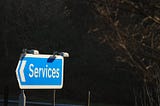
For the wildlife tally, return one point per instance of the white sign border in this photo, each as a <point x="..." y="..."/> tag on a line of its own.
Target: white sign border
<point x="39" y="86"/>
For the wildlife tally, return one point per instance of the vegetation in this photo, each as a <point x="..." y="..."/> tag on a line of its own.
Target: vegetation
<point x="137" y="40"/>
<point x="131" y="28"/>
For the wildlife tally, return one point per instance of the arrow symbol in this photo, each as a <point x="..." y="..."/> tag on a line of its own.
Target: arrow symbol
<point x="22" y="71"/>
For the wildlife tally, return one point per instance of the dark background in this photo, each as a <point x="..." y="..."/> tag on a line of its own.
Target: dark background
<point x="50" y="26"/>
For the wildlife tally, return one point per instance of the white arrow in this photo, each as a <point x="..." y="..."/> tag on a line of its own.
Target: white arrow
<point x="22" y="71"/>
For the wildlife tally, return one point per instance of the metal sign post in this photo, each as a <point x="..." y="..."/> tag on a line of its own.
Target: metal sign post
<point x="22" y="99"/>
<point x="89" y="98"/>
<point x="54" y="97"/>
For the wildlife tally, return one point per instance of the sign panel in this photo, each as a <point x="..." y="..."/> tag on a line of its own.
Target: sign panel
<point x="40" y="71"/>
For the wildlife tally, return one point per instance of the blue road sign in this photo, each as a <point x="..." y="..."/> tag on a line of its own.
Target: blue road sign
<point x="40" y="71"/>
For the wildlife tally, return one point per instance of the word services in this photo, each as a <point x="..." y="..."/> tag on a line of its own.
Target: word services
<point x="40" y="71"/>
<point x="43" y="72"/>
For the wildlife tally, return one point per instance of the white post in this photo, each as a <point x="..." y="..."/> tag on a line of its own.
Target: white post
<point x="22" y="99"/>
<point x="89" y="98"/>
